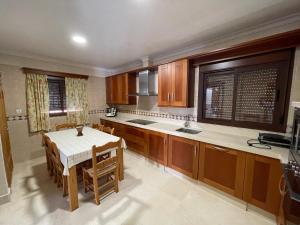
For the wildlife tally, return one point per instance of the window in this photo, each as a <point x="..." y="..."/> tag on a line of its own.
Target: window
<point x="57" y="96"/>
<point x="250" y="92"/>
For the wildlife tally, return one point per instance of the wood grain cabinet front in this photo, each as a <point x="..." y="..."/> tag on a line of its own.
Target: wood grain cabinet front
<point x="158" y="146"/>
<point x="174" y="85"/>
<point x="262" y="176"/>
<point x="222" y="168"/>
<point x="183" y="155"/>
<point x="120" y="89"/>
<point x="136" y="139"/>
<point x="6" y="148"/>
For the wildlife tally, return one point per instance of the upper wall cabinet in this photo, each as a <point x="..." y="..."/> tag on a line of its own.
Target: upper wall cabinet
<point x="173" y="84"/>
<point x="119" y="88"/>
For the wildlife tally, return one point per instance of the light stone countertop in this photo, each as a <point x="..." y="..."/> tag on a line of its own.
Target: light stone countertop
<point x="228" y="140"/>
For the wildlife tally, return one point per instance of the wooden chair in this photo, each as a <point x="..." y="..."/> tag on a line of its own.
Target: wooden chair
<point x="106" y="171"/>
<point x="111" y="131"/>
<point x="59" y="178"/>
<point x="45" y="142"/>
<point x="108" y="130"/>
<point x="65" y="126"/>
<point x="97" y="126"/>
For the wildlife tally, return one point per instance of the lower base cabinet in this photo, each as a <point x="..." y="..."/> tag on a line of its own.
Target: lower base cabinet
<point x="247" y="176"/>
<point x="262" y="176"/>
<point x="183" y="155"/>
<point x="158" y="147"/>
<point x="222" y="168"/>
<point x="136" y="139"/>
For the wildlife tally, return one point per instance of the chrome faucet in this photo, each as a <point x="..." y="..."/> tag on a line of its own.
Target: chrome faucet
<point x="187" y="122"/>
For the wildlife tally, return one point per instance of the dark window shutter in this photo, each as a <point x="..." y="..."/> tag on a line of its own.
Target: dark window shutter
<point x="256" y="95"/>
<point x="57" y="96"/>
<point x="219" y="95"/>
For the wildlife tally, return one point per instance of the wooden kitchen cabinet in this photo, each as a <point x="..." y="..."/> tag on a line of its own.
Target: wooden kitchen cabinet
<point x="8" y="162"/>
<point x="118" y="127"/>
<point x="262" y="176"/>
<point x="173" y="84"/>
<point x="158" y="147"/>
<point x="183" y="155"/>
<point x="120" y="88"/>
<point x="136" y="139"/>
<point x="164" y="84"/>
<point x="108" y="85"/>
<point x="222" y="168"/>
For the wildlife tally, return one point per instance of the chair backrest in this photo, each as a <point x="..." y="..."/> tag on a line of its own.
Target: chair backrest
<point x="55" y="151"/>
<point x="44" y="137"/>
<point x="97" y="126"/>
<point x="108" y="130"/>
<point x="65" y="126"/>
<point x="96" y="150"/>
<point x="48" y="144"/>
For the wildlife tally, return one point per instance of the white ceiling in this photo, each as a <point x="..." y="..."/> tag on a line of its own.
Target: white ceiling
<point x="121" y="31"/>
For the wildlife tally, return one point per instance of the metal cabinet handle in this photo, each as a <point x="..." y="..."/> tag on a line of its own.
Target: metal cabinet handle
<point x="220" y="149"/>
<point x="168" y="96"/>
<point x="195" y="151"/>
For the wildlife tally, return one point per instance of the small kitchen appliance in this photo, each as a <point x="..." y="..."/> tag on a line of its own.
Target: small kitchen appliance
<point x="111" y="112"/>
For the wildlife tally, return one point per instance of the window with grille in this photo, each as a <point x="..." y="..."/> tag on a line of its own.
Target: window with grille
<point x="250" y="92"/>
<point x="57" y="96"/>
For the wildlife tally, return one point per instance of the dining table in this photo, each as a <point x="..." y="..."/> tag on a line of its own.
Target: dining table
<point x="75" y="149"/>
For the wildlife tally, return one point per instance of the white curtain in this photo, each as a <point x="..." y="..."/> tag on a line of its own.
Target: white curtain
<point x="77" y="102"/>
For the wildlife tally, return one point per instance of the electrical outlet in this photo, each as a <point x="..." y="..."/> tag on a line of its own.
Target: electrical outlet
<point x="18" y="111"/>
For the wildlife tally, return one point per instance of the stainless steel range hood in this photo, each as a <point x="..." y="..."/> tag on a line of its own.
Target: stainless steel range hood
<point x="147" y="83"/>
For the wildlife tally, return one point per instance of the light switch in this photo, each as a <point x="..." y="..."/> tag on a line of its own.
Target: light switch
<point x="18" y="111"/>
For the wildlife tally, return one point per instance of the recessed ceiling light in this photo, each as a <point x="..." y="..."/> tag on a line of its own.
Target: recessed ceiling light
<point x="79" y="39"/>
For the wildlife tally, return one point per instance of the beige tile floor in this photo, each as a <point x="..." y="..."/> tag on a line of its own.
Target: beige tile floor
<point x="148" y="195"/>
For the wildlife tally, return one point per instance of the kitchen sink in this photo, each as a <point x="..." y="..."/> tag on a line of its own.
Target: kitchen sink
<point x="141" y="122"/>
<point x="189" y="131"/>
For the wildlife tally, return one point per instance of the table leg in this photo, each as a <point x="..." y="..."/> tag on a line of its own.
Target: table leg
<point x="121" y="163"/>
<point x="72" y="187"/>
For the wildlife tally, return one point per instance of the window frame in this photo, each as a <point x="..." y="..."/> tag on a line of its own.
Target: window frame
<point x="64" y="109"/>
<point x="285" y="60"/>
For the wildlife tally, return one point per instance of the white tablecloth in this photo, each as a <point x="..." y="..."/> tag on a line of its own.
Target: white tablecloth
<point x="75" y="149"/>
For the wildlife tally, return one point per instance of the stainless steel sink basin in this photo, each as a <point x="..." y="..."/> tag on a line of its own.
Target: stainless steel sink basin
<point x="141" y="122"/>
<point x="189" y="131"/>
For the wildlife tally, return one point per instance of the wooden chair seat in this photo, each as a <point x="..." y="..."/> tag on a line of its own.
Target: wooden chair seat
<point x="105" y="171"/>
<point x="103" y="177"/>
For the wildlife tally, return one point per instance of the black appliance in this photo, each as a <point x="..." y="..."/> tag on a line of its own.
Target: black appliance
<point x="274" y="139"/>
<point x="291" y="203"/>
<point x="111" y="112"/>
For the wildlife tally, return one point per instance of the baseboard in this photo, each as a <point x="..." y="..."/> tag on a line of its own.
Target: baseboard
<point x="5" y="198"/>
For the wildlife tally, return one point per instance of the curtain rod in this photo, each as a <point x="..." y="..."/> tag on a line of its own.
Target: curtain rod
<point x="53" y="73"/>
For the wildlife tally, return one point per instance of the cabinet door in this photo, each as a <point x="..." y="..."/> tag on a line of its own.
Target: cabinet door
<point x="8" y="162"/>
<point x="183" y="155"/>
<point x="118" y="127"/>
<point x="108" y="86"/>
<point x="115" y="89"/>
<point x="179" y="93"/>
<point x="164" y="85"/>
<point x="157" y="147"/>
<point x="124" y="89"/>
<point x="136" y="139"/>
<point x="222" y="168"/>
<point x="262" y="177"/>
